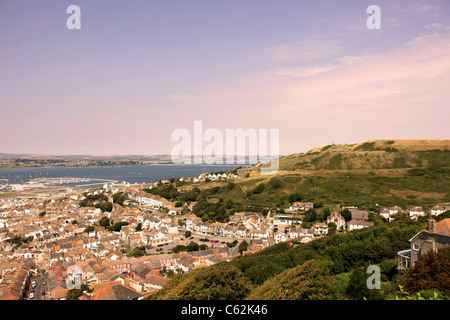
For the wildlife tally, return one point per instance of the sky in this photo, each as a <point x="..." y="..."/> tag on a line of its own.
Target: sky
<point x="138" y="70"/>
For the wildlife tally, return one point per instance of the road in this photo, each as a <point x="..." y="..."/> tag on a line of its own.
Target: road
<point x="40" y="286"/>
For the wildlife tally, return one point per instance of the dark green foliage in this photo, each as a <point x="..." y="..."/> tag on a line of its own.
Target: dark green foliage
<point x="243" y="246"/>
<point x="366" y="146"/>
<point x="74" y="294"/>
<point x="179" y="248"/>
<point x="167" y="191"/>
<point x="275" y="183"/>
<point x="335" y="162"/>
<point x="222" y="281"/>
<point x="309" y="281"/>
<point x="89" y="200"/>
<point x="346" y="251"/>
<point x="105" y="206"/>
<point x="357" y="288"/>
<point x="193" y="246"/>
<point x="345" y="255"/>
<point x="89" y="229"/>
<point x="137" y="252"/>
<point x="119" y="198"/>
<point x="430" y="272"/>
<point x="104" y="222"/>
<point x="259" y="188"/>
<point x="117" y="226"/>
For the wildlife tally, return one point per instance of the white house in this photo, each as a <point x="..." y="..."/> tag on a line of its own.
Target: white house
<point x="279" y="237"/>
<point x="416" y="212"/>
<point x="358" y="224"/>
<point x="320" y="229"/>
<point x="437" y="210"/>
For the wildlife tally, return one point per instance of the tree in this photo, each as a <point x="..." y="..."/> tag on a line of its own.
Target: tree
<point x="430" y="271"/>
<point x="104" y="222"/>
<point x="259" y="188"/>
<point x="326" y="213"/>
<point x="357" y="288"/>
<point x="332" y="228"/>
<point x="293" y="197"/>
<point x="139" y="227"/>
<point x="104" y="206"/>
<point x="221" y="281"/>
<point x="187" y="234"/>
<point x="119" y="198"/>
<point x="74" y="294"/>
<point x="192" y="246"/>
<point x="179" y="248"/>
<point x="243" y="246"/>
<point x="89" y="229"/>
<point x="117" y="226"/>
<point x="346" y="214"/>
<point x="309" y="281"/>
<point x="230" y="185"/>
<point x="275" y="183"/>
<point x="233" y="244"/>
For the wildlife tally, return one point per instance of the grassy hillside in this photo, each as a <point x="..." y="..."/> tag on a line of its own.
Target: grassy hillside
<point x="385" y="172"/>
<point x="372" y="154"/>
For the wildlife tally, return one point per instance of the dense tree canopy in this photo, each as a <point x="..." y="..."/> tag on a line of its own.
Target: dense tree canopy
<point x="218" y="282"/>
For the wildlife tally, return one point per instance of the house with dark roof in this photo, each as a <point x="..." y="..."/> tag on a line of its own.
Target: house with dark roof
<point x="112" y="290"/>
<point x="12" y="285"/>
<point x="434" y="238"/>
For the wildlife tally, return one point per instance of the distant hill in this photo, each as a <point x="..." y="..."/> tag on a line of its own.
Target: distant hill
<point x="84" y="157"/>
<point x="372" y="154"/>
<point x="385" y="172"/>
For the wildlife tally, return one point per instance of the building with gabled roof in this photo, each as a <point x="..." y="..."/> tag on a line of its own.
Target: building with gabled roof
<point x="434" y="238"/>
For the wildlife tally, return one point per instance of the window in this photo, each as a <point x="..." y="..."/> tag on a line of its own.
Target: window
<point x="416" y="247"/>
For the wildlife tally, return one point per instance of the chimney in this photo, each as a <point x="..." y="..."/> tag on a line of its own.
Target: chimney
<point x="431" y="225"/>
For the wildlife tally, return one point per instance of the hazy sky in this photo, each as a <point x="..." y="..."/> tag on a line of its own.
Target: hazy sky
<point x="138" y="70"/>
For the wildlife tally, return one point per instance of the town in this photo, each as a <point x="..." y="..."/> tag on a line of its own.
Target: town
<point x="128" y="243"/>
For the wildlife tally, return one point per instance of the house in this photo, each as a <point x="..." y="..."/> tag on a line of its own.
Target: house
<point x="358" y="224"/>
<point x="309" y="205"/>
<point x="320" y="229"/>
<point x="437" y="210"/>
<point x="297" y="206"/>
<point x="112" y="290"/>
<point x="286" y="219"/>
<point x="12" y="286"/>
<point x="337" y="219"/>
<point x="155" y="282"/>
<point x="434" y="238"/>
<point x="359" y="214"/>
<point x="416" y="212"/>
<point x="279" y="237"/>
<point x="385" y="214"/>
<point x="394" y="210"/>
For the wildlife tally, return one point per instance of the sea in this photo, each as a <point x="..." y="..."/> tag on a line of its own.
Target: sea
<point x="73" y="176"/>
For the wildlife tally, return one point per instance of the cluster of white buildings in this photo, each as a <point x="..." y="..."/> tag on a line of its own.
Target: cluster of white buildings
<point x="413" y="212"/>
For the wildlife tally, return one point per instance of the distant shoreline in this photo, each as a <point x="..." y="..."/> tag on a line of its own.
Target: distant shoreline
<point x="120" y="165"/>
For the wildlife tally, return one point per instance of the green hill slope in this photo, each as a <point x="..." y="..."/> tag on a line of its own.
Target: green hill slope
<point x="385" y="172"/>
<point x="372" y="154"/>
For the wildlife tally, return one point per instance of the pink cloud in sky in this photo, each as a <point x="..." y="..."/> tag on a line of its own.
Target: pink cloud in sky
<point x="400" y="93"/>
